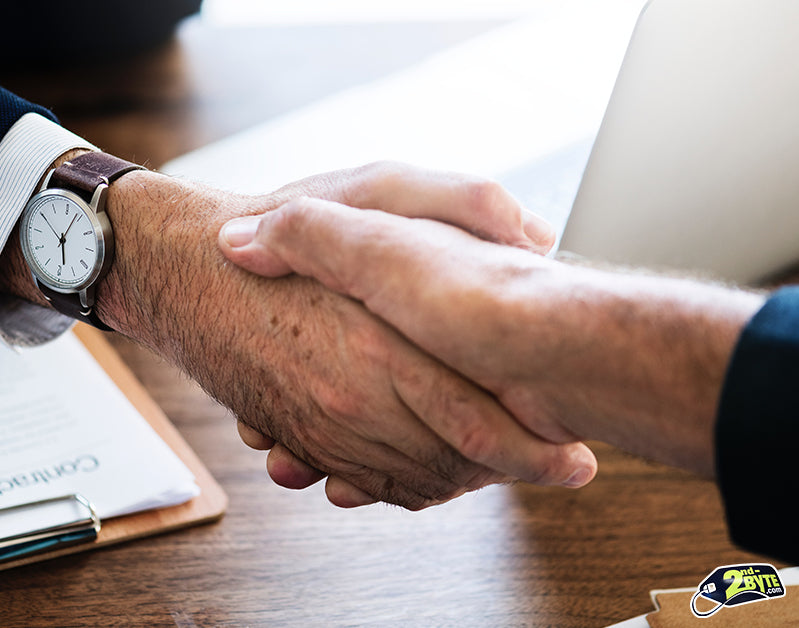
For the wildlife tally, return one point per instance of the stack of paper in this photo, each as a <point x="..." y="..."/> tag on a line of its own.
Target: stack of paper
<point x="66" y="428"/>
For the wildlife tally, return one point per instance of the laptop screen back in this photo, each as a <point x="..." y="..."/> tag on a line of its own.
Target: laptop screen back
<point x="696" y="164"/>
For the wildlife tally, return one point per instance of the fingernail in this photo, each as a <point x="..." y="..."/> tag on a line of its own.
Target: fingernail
<point x="240" y="231"/>
<point x="578" y="478"/>
<point x="538" y="229"/>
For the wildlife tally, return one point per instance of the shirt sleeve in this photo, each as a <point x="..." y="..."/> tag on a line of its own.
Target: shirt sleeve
<point x="757" y="431"/>
<point x="30" y="141"/>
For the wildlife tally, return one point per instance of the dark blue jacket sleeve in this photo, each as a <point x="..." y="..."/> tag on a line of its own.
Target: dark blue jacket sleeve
<point x="12" y="108"/>
<point x="757" y="431"/>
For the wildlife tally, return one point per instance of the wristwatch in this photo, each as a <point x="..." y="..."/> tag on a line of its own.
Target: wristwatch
<point x="66" y="236"/>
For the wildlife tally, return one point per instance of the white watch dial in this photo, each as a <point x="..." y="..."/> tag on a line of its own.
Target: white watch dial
<point x="60" y="240"/>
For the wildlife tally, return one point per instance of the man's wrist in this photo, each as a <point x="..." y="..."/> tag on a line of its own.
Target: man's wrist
<point x="667" y="344"/>
<point x="165" y="232"/>
<point x="15" y="278"/>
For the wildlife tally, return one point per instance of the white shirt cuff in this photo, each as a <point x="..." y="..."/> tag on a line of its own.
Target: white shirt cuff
<point x="26" y="152"/>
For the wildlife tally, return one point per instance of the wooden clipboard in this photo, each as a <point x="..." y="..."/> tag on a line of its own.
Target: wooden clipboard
<point x="208" y="506"/>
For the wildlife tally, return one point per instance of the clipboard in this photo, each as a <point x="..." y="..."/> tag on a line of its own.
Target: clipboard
<point x="86" y="533"/>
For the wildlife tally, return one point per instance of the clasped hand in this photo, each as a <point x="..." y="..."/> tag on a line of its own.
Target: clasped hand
<point x="420" y="404"/>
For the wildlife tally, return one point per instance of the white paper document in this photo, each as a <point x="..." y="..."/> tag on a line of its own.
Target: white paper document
<point x="66" y="428"/>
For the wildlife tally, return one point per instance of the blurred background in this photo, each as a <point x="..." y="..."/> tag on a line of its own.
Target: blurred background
<point x="115" y="73"/>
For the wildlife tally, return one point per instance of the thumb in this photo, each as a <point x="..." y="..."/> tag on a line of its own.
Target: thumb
<point x="310" y="237"/>
<point x="241" y="243"/>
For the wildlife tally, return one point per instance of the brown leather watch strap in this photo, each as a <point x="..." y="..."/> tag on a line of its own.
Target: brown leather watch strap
<point x="70" y="305"/>
<point x="85" y="172"/>
<point x="82" y="175"/>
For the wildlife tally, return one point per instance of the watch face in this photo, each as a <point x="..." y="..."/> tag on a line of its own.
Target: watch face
<point x="62" y="240"/>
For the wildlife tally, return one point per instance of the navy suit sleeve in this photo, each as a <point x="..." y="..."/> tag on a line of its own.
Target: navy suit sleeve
<point x="757" y="431"/>
<point x="12" y="108"/>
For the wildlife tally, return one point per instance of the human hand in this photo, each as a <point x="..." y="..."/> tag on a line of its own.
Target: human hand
<point x="573" y="353"/>
<point x="310" y="369"/>
<point x="479" y="206"/>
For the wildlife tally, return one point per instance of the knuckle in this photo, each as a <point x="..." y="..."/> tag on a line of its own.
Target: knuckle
<point x="547" y="240"/>
<point x="447" y="495"/>
<point x="385" y="488"/>
<point x="291" y="217"/>
<point x="325" y="453"/>
<point x="486" y="196"/>
<point x="380" y="167"/>
<point x="368" y="180"/>
<point x="410" y="501"/>
<point x="476" y="443"/>
<point x="338" y="401"/>
<point x="372" y="343"/>
<point x="384" y="174"/>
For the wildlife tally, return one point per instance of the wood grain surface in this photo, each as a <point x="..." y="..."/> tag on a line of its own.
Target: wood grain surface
<point x="505" y="556"/>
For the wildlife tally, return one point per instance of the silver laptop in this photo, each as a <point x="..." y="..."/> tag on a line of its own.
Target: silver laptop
<point x="696" y="164"/>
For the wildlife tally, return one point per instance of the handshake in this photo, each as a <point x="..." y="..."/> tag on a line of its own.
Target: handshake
<point x="401" y="333"/>
<point x="416" y="402"/>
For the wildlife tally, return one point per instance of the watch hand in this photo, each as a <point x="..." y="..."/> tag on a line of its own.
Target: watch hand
<point x="51" y="227"/>
<point x="70" y="226"/>
<point x="63" y="239"/>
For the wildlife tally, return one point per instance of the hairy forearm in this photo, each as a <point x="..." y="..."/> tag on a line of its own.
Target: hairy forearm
<point x="163" y="258"/>
<point x="170" y="289"/>
<point x="641" y="360"/>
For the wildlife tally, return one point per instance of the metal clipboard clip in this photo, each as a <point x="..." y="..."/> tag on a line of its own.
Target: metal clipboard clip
<point x="46" y="525"/>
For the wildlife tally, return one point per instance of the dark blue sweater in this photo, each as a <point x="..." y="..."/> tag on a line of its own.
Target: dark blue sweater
<point x="12" y="108"/>
<point x="757" y="431"/>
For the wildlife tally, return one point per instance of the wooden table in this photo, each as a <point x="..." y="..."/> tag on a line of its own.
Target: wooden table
<point x="506" y="556"/>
